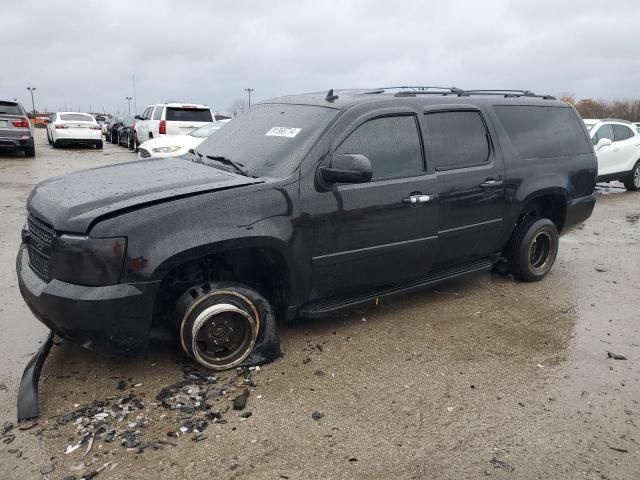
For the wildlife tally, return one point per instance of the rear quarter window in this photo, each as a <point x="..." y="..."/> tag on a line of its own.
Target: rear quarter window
<point x="188" y="114"/>
<point x="543" y="132"/>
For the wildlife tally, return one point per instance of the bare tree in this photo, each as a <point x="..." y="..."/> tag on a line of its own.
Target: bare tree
<point x="238" y="106"/>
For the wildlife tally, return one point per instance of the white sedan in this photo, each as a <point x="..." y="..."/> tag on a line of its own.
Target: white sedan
<point x="176" y="145"/>
<point x="72" y="128"/>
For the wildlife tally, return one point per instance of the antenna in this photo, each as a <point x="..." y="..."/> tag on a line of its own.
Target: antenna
<point x="330" y="96"/>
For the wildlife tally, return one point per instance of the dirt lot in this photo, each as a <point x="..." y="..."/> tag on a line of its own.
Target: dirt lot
<point x="431" y="385"/>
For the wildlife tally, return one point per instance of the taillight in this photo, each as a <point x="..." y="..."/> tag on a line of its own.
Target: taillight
<point x="163" y="127"/>
<point x="60" y="125"/>
<point x="22" y="123"/>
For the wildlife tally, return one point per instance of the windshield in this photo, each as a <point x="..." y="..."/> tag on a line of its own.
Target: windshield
<point x="206" y="130"/>
<point x="76" y="117"/>
<point x="269" y="140"/>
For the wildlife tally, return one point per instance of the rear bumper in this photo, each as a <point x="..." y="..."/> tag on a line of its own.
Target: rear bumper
<point x="16" y="143"/>
<point x="113" y="320"/>
<point x="578" y="211"/>
<point x="92" y="136"/>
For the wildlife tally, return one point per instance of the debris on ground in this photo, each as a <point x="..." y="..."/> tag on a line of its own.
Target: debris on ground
<point x="618" y="449"/>
<point x="616" y="356"/>
<point x="241" y="400"/>
<point x="500" y="464"/>
<point x="47" y="469"/>
<point x="317" y="415"/>
<point x="121" y="385"/>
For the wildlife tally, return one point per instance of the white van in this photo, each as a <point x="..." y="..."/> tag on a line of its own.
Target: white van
<point x="170" y="119"/>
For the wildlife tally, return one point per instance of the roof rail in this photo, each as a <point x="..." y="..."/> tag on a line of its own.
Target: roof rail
<point x="419" y="90"/>
<point x="507" y="93"/>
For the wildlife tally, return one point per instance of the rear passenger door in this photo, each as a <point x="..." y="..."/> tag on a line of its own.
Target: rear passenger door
<point x="626" y="147"/>
<point x="470" y="179"/>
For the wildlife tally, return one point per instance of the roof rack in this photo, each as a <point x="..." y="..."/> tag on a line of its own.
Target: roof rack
<point x="409" y="91"/>
<point x="507" y="93"/>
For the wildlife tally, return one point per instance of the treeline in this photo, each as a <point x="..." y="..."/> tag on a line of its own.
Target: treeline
<point x="590" y="108"/>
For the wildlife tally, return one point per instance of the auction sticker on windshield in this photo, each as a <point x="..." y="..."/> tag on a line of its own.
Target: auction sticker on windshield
<point x="289" y="132"/>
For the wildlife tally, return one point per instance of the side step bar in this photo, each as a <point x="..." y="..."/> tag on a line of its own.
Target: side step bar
<point x="325" y="307"/>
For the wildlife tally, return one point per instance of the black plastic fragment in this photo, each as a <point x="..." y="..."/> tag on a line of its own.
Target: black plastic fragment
<point x="28" y="392"/>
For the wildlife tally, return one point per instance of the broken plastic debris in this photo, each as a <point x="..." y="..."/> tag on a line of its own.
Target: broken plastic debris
<point x="616" y="356"/>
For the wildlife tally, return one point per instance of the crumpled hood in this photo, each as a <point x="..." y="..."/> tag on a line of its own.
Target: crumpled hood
<point x="72" y="202"/>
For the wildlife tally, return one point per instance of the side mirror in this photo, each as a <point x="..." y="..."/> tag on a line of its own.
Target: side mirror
<point x="352" y="168"/>
<point x="138" y="117"/>
<point x="603" y="142"/>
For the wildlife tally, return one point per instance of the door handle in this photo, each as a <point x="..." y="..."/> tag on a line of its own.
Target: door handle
<point x="418" y="198"/>
<point x="491" y="182"/>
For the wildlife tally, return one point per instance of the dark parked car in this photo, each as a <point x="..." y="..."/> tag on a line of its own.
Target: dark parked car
<point x="16" y="131"/>
<point x="112" y="131"/>
<point x="125" y="132"/>
<point x="301" y="207"/>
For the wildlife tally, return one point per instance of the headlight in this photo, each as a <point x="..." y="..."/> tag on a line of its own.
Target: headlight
<point x="172" y="149"/>
<point x="88" y="261"/>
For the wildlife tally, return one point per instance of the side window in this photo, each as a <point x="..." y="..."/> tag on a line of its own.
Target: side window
<point x="392" y="145"/>
<point x="620" y="132"/>
<point x="605" y="131"/>
<point x="157" y="115"/>
<point x="456" y="139"/>
<point x="147" y="113"/>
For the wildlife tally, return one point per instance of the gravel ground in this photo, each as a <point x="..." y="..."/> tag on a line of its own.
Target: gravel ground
<point x="480" y="377"/>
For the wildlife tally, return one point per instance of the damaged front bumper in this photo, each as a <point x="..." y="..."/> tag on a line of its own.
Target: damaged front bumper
<point x="112" y="320"/>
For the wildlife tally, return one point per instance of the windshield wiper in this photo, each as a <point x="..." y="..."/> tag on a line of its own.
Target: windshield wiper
<point x="219" y="158"/>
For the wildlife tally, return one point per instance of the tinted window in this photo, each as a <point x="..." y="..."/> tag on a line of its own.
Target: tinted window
<point x="456" y="139"/>
<point x="620" y="132"/>
<point x="188" y="114"/>
<point x="157" y="115"/>
<point x="147" y="113"/>
<point x="392" y="145"/>
<point x="270" y="140"/>
<point x="10" y="108"/>
<point x="76" y="117"/>
<point x="542" y="132"/>
<point x="605" y="131"/>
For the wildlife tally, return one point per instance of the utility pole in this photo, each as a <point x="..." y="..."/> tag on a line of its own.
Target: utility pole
<point x="33" y="105"/>
<point x="249" y="90"/>
<point x="129" y="101"/>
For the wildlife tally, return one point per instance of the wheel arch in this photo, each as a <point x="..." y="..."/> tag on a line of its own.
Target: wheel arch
<point x="548" y="203"/>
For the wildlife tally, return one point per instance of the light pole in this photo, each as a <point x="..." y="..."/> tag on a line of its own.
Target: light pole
<point x="129" y="101"/>
<point x="249" y="90"/>
<point x="33" y="105"/>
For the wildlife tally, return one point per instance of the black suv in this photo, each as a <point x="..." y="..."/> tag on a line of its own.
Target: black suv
<point x="301" y="207"/>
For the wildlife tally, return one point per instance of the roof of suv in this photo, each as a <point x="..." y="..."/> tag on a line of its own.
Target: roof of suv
<point x="340" y="99"/>
<point x="180" y="104"/>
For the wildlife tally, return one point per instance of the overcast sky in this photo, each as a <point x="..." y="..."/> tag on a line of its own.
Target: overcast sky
<point x="82" y="53"/>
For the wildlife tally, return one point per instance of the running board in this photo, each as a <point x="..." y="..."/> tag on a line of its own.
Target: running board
<point x="325" y="307"/>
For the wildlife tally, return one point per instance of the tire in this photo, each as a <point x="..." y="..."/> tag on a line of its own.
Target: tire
<point x="56" y="144"/>
<point x="129" y="142"/>
<point x="49" y="138"/>
<point x="114" y="138"/>
<point x="30" y="151"/>
<point x="99" y="145"/>
<point x="533" y="249"/>
<point x="136" y="143"/>
<point x="220" y="323"/>
<point x="632" y="182"/>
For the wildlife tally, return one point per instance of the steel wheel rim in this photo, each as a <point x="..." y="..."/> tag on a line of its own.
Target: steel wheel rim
<point x="212" y="342"/>
<point x="540" y="251"/>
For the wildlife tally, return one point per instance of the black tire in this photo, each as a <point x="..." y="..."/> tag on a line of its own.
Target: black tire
<point x="56" y="144"/>
<point x="99" y="145"/>
<point x="219" y="323"/>
<point x="136" y="143"/>
<point x="30" y="151"/>
<point x="632" y="182"/>
<point x="49" y="138"/>
<point x="130" y="142"/>
<point x="533" y="249"/>
<point x="114" y="138"/>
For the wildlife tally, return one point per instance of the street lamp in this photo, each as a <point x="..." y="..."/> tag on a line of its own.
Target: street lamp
<point x="249" y="90"/>
<point x="129" y="101"/>
<point x="33" y="105"/>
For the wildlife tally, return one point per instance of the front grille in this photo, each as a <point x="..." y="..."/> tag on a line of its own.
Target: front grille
<point x="39" y="246"/>
<point x="144" y="153"/>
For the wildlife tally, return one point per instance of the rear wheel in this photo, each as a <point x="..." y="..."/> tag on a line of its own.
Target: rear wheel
<point x="56" y="144"/>
<point x="49" y="138"/>
<point x="219" y="323"/>
<point x="99" y="145"/>
<point x="532" y="249"/>
<point x="632" y="182"/>
<point x="136" y="143"/>
<point x="114" y="137"/>
<point x="30" y="151"/>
